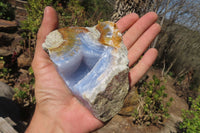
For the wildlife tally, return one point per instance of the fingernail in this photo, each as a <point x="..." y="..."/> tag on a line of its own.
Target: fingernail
<point x="46" y="10"/>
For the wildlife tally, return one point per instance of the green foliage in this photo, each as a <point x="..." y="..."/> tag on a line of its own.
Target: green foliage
<point x="70" y="12"/>
<point x="98" y="10"/>
<point x="2" y="62"/>
<point x="31" y="74"/>
<point x="191" y="118"/>
<point x="4" y="72"/>
<point x="153" y="109"/>
<point x="35" y="9"/>
<point x="30" y="26"/>
<point x="6" y="11"/>
<point x="171" y="74"/>
<point x="72" y="15"/>
<point x="30" y="70"/>
<point x="86" y="13"/>
<point x="24" y="94"/>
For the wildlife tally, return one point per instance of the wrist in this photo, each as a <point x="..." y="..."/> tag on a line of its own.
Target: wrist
<point x="42" y="123"/>
<point x="74" y="118"/>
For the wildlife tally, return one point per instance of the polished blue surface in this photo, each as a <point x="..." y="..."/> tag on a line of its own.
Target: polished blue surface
<point x="83" y="64"/>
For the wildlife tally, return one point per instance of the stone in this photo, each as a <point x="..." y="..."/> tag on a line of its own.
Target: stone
<point x="5" y="52"/>
<point x="1" y="64"/>
<point x="16" y="44"/>
<point x="5" y="127"/>
<point x="5" y="43"/>
<point x="130" y="103"/>
<point x="24" y="61"/>
<point x="9" y="109"/>
<point x="6" y="39"/>
<point x="6" y="91"/>
<point x="93" y="63"/>
<point x="10" y="43"/>
<point x="8" y="26"/>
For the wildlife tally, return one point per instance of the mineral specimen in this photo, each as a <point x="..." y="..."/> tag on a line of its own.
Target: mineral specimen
<point x="93" y="63"/>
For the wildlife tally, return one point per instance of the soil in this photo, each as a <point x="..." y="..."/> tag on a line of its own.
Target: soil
<point x="124" y="124"/>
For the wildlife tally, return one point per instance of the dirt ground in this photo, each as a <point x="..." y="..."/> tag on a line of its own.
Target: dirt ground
<point x="124" y="124"/>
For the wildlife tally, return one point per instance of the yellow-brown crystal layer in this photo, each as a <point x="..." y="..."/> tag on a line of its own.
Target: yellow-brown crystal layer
<point x="115" y="40"/>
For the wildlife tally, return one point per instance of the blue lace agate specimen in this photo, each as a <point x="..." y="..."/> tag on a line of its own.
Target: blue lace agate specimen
<point x="93" y="63"/>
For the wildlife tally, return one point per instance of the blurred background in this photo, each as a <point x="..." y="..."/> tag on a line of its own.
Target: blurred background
<point x="168" y="93"/>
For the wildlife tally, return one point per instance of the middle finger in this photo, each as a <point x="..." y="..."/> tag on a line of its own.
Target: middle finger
<point x="139" y="28"/>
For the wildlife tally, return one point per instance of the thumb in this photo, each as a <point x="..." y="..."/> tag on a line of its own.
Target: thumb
<point x="49" y="23"/>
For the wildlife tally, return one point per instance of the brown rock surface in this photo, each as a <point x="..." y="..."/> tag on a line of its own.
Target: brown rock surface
<point x="8" y="26"/>
<point x="124" y="124"/>
<point x="6" y="91"/>
<point x="130" y="102"/>
<point x="1" y="64"/>
<point x="10" y="43"/>
<point x="6" y="39"/>
<point x="24" y="60"/>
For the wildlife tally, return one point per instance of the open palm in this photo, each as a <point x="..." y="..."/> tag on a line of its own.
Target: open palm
<point x="57" y="110"/>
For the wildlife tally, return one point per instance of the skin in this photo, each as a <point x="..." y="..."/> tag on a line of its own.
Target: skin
<point x="57" y="110"/>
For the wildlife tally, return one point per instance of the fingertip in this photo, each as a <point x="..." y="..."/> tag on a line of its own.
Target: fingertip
<point x="127" y="21"/>
<point x="46" y="10"/>
<point x="49" y="10"/>
<point x="134" y="15"/>
<point x="154" y="50"/>
<point x="50" y="19"/>
<point x="153" y="53"/>
<point x="152" y="15"/>
<point x="149" y="57"/>
<point x="157" y="26"/>
<point x="49" y="23"/>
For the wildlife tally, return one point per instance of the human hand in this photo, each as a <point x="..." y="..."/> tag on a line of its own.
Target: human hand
<point x="139" y="35"/>
<point x="57" y="110"/>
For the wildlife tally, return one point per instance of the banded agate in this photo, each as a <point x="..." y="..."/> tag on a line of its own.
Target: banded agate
<point x="93" y="63"/>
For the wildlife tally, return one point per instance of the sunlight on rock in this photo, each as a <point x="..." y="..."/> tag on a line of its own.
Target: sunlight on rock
<point x="93" y="63"/>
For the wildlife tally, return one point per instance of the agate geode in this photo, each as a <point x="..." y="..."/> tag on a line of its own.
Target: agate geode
<point x="93" y="63"/>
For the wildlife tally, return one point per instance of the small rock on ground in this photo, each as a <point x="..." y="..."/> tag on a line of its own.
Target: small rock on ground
<point x="6" y="91"/>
